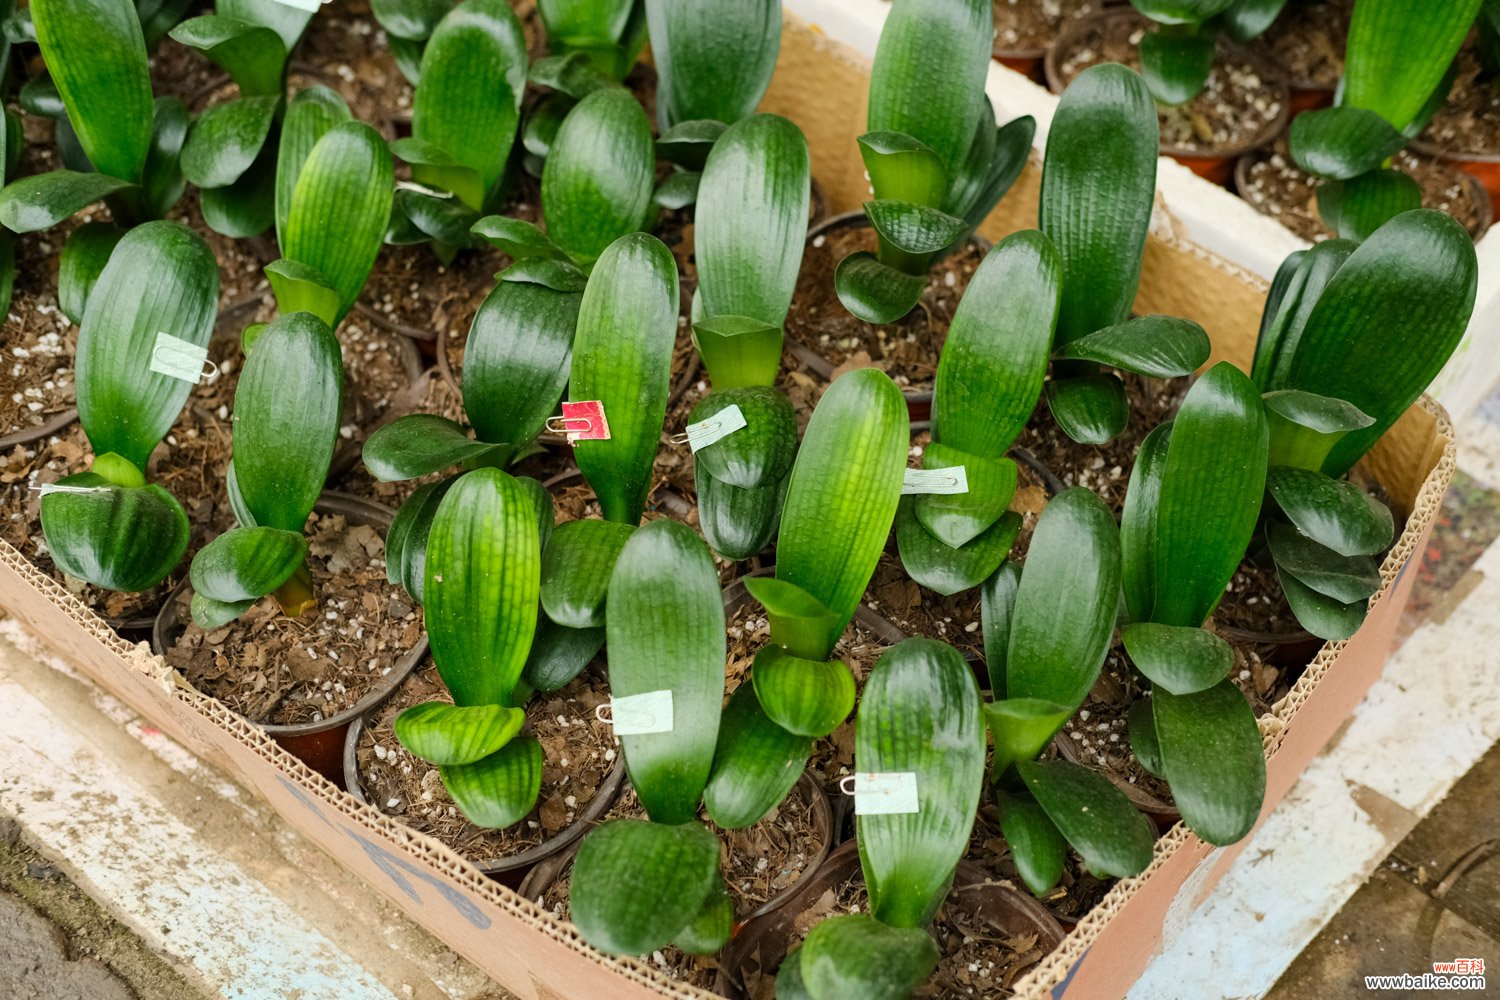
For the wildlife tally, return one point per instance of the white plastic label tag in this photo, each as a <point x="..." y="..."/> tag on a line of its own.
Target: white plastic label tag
<point x="715" y="428"/>
<point x="639" y="714"/>
<point x="180" y="359"/>
<point x="881" y="793"/>
<point x="947" y="481"/>
<point x="311" y="6"/>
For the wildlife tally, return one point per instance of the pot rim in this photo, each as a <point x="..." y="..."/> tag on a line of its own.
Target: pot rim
<point x="58" y="422"/>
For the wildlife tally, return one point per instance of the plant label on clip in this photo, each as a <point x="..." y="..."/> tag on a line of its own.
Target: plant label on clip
<point x="639" y="714"/>
<point x="946" y="481"/>
<point x="311" y="6"/>
<point x="181" y="359"/>
<point x="881" y="793"/>
<point x="581" y="421"/>
<point x="715" y="428"/>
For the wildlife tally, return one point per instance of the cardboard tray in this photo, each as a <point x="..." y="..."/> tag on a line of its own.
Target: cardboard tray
<point x="821" y="85"/>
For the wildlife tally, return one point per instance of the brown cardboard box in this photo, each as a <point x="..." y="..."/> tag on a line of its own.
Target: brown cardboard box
<point x="822" y="87"/>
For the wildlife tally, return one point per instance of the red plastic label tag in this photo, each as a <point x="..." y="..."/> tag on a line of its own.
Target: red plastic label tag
<point x="584" y="421"/>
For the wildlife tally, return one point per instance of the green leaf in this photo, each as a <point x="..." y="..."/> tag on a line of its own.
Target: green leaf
<point x="501" y="789"/>
<point x="1021" y="728"/>
<point x="751" y="222"/>
<point x="928" y="77"/>
<point x="1397" y="54"/>
<point x="737" y="523"/>
<point x="445" y="734"/>
<point x="996" y="159"/>
<point x="1138" y="522"/>
<point x="340" y="208"/>
<point x="444" y="221"/>
<point x="41" y="201"/>
<point x="677" y="191"/>
<point x="468" y="102"/>
<point x="1064" y="610"/>
<point x="209" y="614"/>
<point x="919" y="713"/>
<point x="560" y="653"/>
<point x="1357" y="207"/>
<point x="622" y="357"/>
<point x="436" y="168"/>
<point x="756" y="763"/>
<point x="1305" y="426"/>
<point x="286" y="419"/>
<point x="760" y="453"/>
<point x="160" y="277"/>
<point x="600" y="174"/>
<point x="406" y="538"/>
<point x="957" y="518"/>
<point x="947" y="569"/>
<point x="844" y="489"/>
<point x="1176" y="64"/>
<point x="1036" y="845"/>
<point x="580" y="23"/>
<point x="246" y="207"/>
<point x="1331" y="512"/>
<point x="300" y="287"/>
<point x="1210" y="495"/>
<point x="226" y="139"/>
<point x="119" y="538"/>
<point x="1142" y="733"/>
<point x="665" y="632"/>
<point x="876" y="292"/>
<point x="520" y="239"/>
<point x="1180" y="11"/>
<point x="571" y="74"/>
<point x="997" y="602"/>
<point x="412" y="20"/>
<point x="992" y="365"/>
<point x="419" y="444"/>
<point x="84" y="254"/>
<point x="516" y="360"/>
<point x="805" y="697"/>
<point x="251" y="54"/>
<point x="1091" y="408"/>
<point x="903" y="168"/>
<point x="1325" y="617"/>
<point x="286" y="20"/>
<point x="1415" y="281"/>
<point x="687" y="144"/>
<point x="1343" y="142"/>
<point x="558" y="275"/>
<point x="800" y="623"/>
<point x="1211" y="756"/>
<point x="636" y="885"/>
<point x="914" y="229"/>
<point x="246" y="564"/>
<point x="576" y="569"/>
<point x="96" y="54"/>
<point x="711" y="928"/>
<point x="162" y="180"/>
<point x="1299" y="284"/>
<point x="1092" y="815"/>
<point x="713" y="61"/>
<point x="856" y="955"/>
<point x="1178" y="658"/>
<point x="1346" y="579"/>
<point x="1246" y="20"/>
<point x="480" y="586"/>
<point x="1154" y="346"/>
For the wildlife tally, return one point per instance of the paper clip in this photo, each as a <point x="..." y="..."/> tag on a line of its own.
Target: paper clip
<point x="48" y="488"/>
<point x="430" y="192"/>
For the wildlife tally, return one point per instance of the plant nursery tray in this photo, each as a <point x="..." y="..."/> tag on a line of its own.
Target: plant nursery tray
<point x="539" y="958"/>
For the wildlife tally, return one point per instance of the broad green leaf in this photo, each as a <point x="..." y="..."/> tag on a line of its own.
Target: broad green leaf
<point x="1325" y="617"/>
<point x="585" y="22"/>
<point x="713" y="61"/>
<point x="1355" y="208"/>
<point x="996" y="158"/>
<point x="445" y="734"/>
<point x="251" y="54"/>
<point x="1248" y="19"/>
<point x="711" y="929"/>
<point x="84" y="254"/>
<point x="636" y="885"/>
<point x="1398" y="53"/>
<point x="1181" y="11"/>
<point x="480" y="588"/>
<point x="1154" y="346"/>
<point x="1097" y="190"/>
<point x="1176" y="64"/>
<point x="161" y="277"/>
<point x="560" y="653"/>
<point x="286" y="419"/>
<point x="751" y="222"/>
<point x="1064" y="610"/>
<point x="1210" y="495"/>
<point x="1142" y="734"/>
<point x="157" y="16"/>
<point x="687" y="144"/>
<point x="444" y="221"/>
<point x="600" y="173"/>
<point x="246" y="207"/>
<point x="1211" y="756"/>
<point x="286" y="20"/>
<point x="96" y="55"/>
<point x="576" y="569"/>
<point x="947" y="569"/>
<point x="1305" y="426"/>
<point x="499" y="790"/>
<point x="997" y="603"/>
<point x="300" y="287"/>
<point x="761" y="452"/>
<point x="622" y="357"/>
<point x="406" y="538"/>
<point x="957" y="518"/>
<point x="412" y="20"/>
<point x="41" y="201"/>
<point x="246" y="564"/>
<point x="992" y="365"/>
<point x="1299" y="284"/>
<point x="876" y="292"/>
<point x="439" y="170"/>
<point x="665" y="632"/>
<point x="162" y="180"/>
<point x="209" y="614"/>
<point x="928" y="78"/>
<point x="912" y="228"/>
<point x="226" y="139"/>
<point x="737" y="523"/>
<point x="1178" y="658"/>
<point x="558" y="275"/>
<point x="1331" y="512"/>
<point x="468" y="102"/>
<point x="520" y="239"/>
<point x="419" y="444"/>
<point x="516" y="360"/>
<point x="1093" y="816"/>
<point x="805" y="697"/>
<point x="800" y="623"/>
<point x="1138" y="521"/>
<point x="1036" y="845"/>
<point x="1091" y="408"/>
<point x="571" y="74"/>
<point x="756" y="763"/>
<point x="1346" y="579"/>
<point x="677" y="191"/>
<point x="1021" y="728"/>
<point x="340" y="208"/>
<point x="903" y="168"/>
<point x="844" y="489"/>
<point x="857" y="955"/>
<point x="1342" y="142"/>
<point x="919" y="713"/>
<point x="118" y="537"/>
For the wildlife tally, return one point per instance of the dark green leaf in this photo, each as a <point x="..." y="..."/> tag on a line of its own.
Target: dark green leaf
<point x="1090" y="408"/>
<point x="162" y="180"/>
<point x="1346" y="579"/>
<point x="957" y="518"/>
<point x="118" y="537"/>
<point x="1248" y="19"/>
<point x="445" y="734"/>
<point x="1154" y="346"/>
<point x="1036" y="845"/>
<point x="713" y="61"/>
<point x="520" y="239"/>
<point x="1323" y="616"/>
<point x="997" y="601"/>
<point x="226" y="140"/>
<point x="251" y="54"/>
<point x="41" y="201"/>
<point x="913" y="228"/>
<point x="805" y="697"/>
<point x="761" y="452"/>
<point x="1181" y="11"/>
<point x="1181" y="659"/>
<point x="409" y="19"/>
<point x="637" y="885"/>
<point x="1092" y="815"/>
<point x="558" y="275"/>
<point x="1138" y="521"/>
<point x="84" y="254"/>
<point x="1331" y="512"/>
<point x="406" y="539"/>
<point x="1299" y="284"/>
<point x="310" y="114"/>
<point x="1211" y="756"/>
<point x="600" y="174"/>
<point x="576" y="569"/>
<point x="247" y="207"/>
<point x="947" y="569"/>
<point x="560" y="653"/>
<point x="876" y="292"/>
<point x="737" y="523"/>
<point x="439" y="172"/>
<point x="571" y="74"/>
<point x="1176" y="64"/>
<point x="299" y="287"/>
<point x="711" y="928"/>
<point x="1143" y="741"/>
<point x="209" y="614"/>
<point x="1355" y="208"/>
<point x="1021" y="728"/>
<point x="419" y="444"/>
<point x="687" y="144"/>
<point x="856" y="955"/>
<point x="246" y="564"/>
<point x="996" y="159"/>
<point x="678" y="191"/>
<point x="501" y="789"/>
<point x="1398" y="53"/>
<point x="516" y="360"/>
<point x="756" y="763"/>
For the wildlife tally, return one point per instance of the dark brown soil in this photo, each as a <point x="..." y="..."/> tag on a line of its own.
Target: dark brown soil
<point x="1278" y="188"/>
<point x="1307" y="41"/>
<point x="1470" y="121"/>
<point x="1238" y="103"/>
<point x="907" y="349"/>
<point x="1076" y="893"/>
<point x="281" y="671"/>
<point x="579" y="750"/>
<point x="1031" y="25"/>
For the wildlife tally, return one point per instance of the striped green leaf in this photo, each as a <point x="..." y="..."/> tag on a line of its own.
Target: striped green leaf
<point x="118" y="537"/>
<point x="1211" y="756"/>
<point x="756" y="763"/>
<point x="516" y="360"/>
<point x="499" y="790"/>
<point x="713" y="60"/>
<point x="309" y="115"/>
<point x="600" y="174"/>
<point x="445" y="734"/>
<point x="636" y="885"/>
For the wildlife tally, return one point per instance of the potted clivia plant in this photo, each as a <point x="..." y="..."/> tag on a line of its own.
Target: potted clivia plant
<point x="609" y="34"/>
<point x="408" y="24"/>
<point x="937" y="162"/>
<point x="1178" y="52"/>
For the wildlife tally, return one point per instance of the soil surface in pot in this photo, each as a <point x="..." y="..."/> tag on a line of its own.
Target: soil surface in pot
<point x="906" y="350"/>
<point x="1470" y="121"/>
<point x="1237" y="103"/>
<point x="579" y="752"/>
<point x="1277" y="187"/>
<point x="282" y="671"/>
<point x="1031" y="25"/>
<point x="1307" y="41"/>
